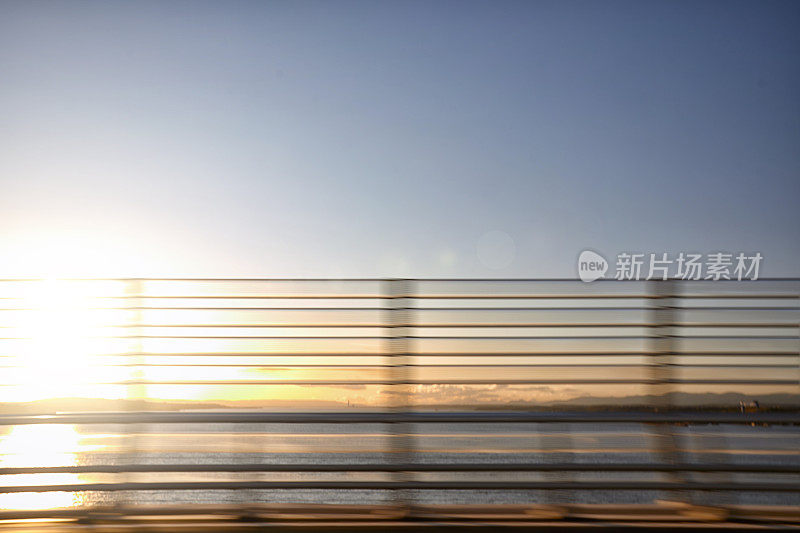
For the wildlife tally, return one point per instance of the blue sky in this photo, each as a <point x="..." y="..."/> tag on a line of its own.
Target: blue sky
<point x="394" y="138"/>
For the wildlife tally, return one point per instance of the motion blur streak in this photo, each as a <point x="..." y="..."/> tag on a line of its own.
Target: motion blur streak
<point x="372" y="401"/>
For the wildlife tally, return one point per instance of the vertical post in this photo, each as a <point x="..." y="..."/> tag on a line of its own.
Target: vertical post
<point x="662" y="323"/>
<point x="557" y="439"/>
<point x="661" y="335"/>
<point x="135" y="391"/>
<point x="399" y="294"/>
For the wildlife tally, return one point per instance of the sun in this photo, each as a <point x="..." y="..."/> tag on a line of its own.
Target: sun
<point x="60" y="338"/>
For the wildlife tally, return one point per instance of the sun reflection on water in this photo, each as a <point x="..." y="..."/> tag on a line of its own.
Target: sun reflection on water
<point x="41" y="446"/>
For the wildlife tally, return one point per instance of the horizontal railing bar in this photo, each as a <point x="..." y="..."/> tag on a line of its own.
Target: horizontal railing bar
<point x="603" y="354"/>
<point x="258" y="365"/>
<point x="410" y="485"/>
<point x="348" y="337"/>
<point x="345" y="417"/>
<point x="283" y="517"/>
<point x="412" y="365"/>
<point x="787" y="353"/>
<point x="453" y="325"/>
<point x="340" y="383"/>
<point x="576" y="281"/>
<point x="372" y="309"/>
<point x="595" y="337"/>
<point x="416" y="296"/>
<point x="427" y="337"/>
<point x="436" y="309"/>
<point x="436" y="365"/>
<point x="205" y="280"/>
<point x="724" y="365"/>
<point x="406" y="467"/>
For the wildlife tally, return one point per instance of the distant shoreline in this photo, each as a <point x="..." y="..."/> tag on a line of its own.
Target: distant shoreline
<point x="724" y="402"/>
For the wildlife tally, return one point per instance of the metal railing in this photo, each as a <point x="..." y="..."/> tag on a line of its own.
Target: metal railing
<point x="444" y="381"/>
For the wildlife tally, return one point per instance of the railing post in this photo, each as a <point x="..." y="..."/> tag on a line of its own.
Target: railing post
<point x="399" y="296"/>
<point x="136" y="388"/>
<point x="662" y="323"/>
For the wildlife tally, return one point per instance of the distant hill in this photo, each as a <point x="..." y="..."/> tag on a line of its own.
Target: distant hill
<point x="55" y="405"/>
<point x="64" y="405"/>
<point x="725" y="400"/>
<point x="685" y="399"/>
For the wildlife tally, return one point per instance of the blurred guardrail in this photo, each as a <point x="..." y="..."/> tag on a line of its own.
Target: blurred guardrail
<point x="509" y="391"/>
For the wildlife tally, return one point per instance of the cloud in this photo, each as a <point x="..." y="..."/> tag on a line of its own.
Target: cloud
<point x="481" y="394"/>
<point x="353" y="386"/>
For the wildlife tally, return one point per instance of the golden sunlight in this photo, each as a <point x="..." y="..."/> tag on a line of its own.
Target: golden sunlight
<point x="60" y="335"/>
<point x="41" y="445"/>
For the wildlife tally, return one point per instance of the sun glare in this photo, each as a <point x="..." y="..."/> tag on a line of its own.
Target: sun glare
<point x="61" y="335"/>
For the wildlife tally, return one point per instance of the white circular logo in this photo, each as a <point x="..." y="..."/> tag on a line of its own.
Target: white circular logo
<point x="591" y="266"/>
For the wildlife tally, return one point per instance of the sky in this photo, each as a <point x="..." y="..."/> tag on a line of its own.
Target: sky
<point x="411" y="139"/>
